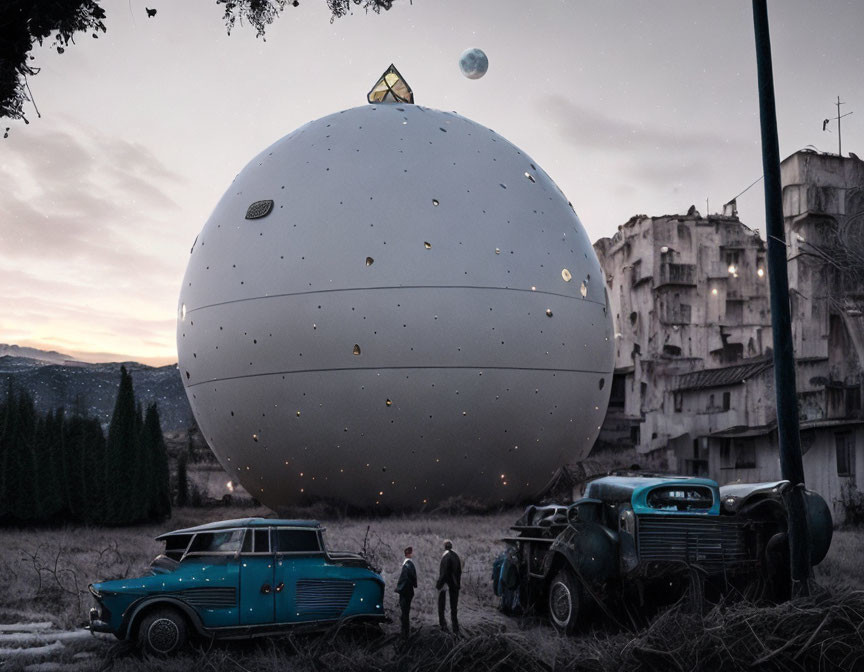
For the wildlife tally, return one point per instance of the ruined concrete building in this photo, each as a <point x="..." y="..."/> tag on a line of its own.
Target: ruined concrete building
<point x="694" y="379"/>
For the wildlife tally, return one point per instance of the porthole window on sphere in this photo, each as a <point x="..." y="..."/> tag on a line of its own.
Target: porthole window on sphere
<point x="356" y="349"/>
<point x="259" y="209"/>
<point x="530" y="177"/>
<point x="583" y="290"/>
<point x="427" y="245"/>
<point x="602" y="383"/>
<point x="435" y="201"/>
<point x="566" y="275"/>
<point x="388" y="402"/>
<point x="182" y="312"/>
<point x="548" y="312"/>
<point x="369" y="261"/>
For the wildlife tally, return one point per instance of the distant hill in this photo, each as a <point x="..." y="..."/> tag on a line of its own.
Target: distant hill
<point x="48" y="356"/>
<point x="66" y="382"/>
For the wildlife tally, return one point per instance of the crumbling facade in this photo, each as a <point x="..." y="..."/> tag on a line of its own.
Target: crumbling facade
<point x="694" y="378"/>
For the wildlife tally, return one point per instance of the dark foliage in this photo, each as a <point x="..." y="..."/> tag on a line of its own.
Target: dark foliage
<point x="56" y="468"/>
<point x="25" y="23"/>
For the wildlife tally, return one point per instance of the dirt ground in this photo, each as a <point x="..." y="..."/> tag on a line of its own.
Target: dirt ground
<point x="44" y="601"/>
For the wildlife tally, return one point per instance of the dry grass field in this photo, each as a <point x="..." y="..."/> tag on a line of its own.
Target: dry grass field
<point x="44" y="575"/>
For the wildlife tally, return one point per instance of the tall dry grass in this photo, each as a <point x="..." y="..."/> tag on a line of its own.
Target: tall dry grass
<point x="44" y="574"/>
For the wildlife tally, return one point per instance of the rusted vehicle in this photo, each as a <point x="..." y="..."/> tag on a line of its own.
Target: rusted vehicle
<point x="651" y="534"/>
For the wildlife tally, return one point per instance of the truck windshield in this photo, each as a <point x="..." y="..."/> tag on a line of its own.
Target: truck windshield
<point x="681" y="498"/>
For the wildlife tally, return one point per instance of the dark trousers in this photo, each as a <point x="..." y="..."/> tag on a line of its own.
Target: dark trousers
<point x="454" y="604"/>
<point x="405" y="606"/>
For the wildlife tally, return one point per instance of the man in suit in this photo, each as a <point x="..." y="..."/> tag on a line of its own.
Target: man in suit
<point x="449" y="578"/>
<point x="405" y="587"/>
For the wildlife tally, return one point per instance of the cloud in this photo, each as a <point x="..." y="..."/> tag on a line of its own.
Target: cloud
<point x="74" y="195"/>
<point x="661" y="157"/>
<point x="593" y="129"/>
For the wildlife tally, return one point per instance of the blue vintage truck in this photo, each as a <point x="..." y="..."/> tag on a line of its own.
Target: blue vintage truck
<point x="633" y="533"/>
<point x="236" y="579"/>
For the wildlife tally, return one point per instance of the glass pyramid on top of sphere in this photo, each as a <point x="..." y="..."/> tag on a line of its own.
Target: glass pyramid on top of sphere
<point x="391" y="88"/>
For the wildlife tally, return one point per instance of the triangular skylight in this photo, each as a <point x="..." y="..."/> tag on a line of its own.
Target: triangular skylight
<point x="391" y="88"/>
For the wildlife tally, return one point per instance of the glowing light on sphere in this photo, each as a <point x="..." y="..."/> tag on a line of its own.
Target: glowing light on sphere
<point x="384" y="308"/>
<point x="473" y="63"/>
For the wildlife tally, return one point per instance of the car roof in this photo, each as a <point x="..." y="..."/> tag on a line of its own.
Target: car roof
<point x="609" y="486"/>
<point x="244" y="522"/>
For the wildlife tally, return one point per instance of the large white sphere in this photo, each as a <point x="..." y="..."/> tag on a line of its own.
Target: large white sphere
<point x="420" y="315"/>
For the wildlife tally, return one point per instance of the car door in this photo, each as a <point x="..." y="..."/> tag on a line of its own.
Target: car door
<point x="304" y="590"/>
<point x="257" y="594"/>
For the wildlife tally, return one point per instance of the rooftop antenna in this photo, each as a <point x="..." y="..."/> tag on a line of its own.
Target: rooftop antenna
<point x="837" y="118"/>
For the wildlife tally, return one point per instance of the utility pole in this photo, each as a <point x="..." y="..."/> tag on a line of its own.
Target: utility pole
<point x="789" y="439"/>
<point x="839" y="135"/>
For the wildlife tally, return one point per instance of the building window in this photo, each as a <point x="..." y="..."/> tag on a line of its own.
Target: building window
<point x="698" y="464"/>
<point x="732" y="259"/>
<point x="617" y="395"/>
<point x="845" y="443"/>
<point x="745" y="455"/>
<point x="672" y="350"/>
<point x="727" y="401"/>
<point x="679" y="401"/>
<point x="725" y="453"/>
<point x="634" y="435"/>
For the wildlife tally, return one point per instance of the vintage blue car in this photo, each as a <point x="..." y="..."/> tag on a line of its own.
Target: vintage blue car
<point x="237" y="579"/>
<point x="639" y="537"/>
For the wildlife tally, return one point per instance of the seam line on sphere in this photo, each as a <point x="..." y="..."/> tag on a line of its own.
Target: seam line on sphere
<point x="580" y="299"/>
<point x="399" y="368"/>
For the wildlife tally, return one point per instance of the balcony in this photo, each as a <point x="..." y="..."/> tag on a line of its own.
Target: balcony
<point x="677" y="274"/>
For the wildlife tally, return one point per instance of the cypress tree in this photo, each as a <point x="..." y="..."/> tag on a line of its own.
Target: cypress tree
<point x="160" y="488"/>
<point x="74" y="448"/>
<point x="6" y="420"/>
<point x="93" y="474"/>
<point x="24" y="506"/>
<point x="54" y="493"/>
<point x="120" y="456"/>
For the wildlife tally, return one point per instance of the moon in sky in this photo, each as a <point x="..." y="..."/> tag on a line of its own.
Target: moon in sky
<point x="473" y="63"/>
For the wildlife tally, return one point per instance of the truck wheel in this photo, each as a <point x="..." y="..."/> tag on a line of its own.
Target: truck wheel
<point x="565" y="601"/>
<point x="163" y="631"/>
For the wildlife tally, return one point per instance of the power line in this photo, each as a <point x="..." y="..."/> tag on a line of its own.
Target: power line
<point x="752" y="184"/>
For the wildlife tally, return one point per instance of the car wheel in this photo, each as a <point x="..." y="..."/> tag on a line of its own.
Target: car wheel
<point x="565" y="601"/>
<point x="163" y="631"/>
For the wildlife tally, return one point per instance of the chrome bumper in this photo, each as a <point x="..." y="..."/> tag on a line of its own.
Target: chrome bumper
<point x="96" y="623"/>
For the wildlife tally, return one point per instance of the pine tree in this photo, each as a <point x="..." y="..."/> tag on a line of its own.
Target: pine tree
<point x="120" y="456"/>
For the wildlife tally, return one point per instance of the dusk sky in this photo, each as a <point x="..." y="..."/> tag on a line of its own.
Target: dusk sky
<point x="631" y="107"/>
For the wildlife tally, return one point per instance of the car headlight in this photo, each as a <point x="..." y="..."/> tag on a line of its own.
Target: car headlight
<point x="627" y="521"/>
<point x="95" y="593"/>
<point x="730" y="503"/>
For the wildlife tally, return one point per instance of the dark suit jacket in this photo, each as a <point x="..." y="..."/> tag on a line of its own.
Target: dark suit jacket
<point x="407" y="579"/>
<point x="450" y="572"/>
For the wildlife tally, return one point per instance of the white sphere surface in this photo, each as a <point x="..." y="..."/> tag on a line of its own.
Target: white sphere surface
<point x="418" y="315"/>
<point x="473" y="63"/>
